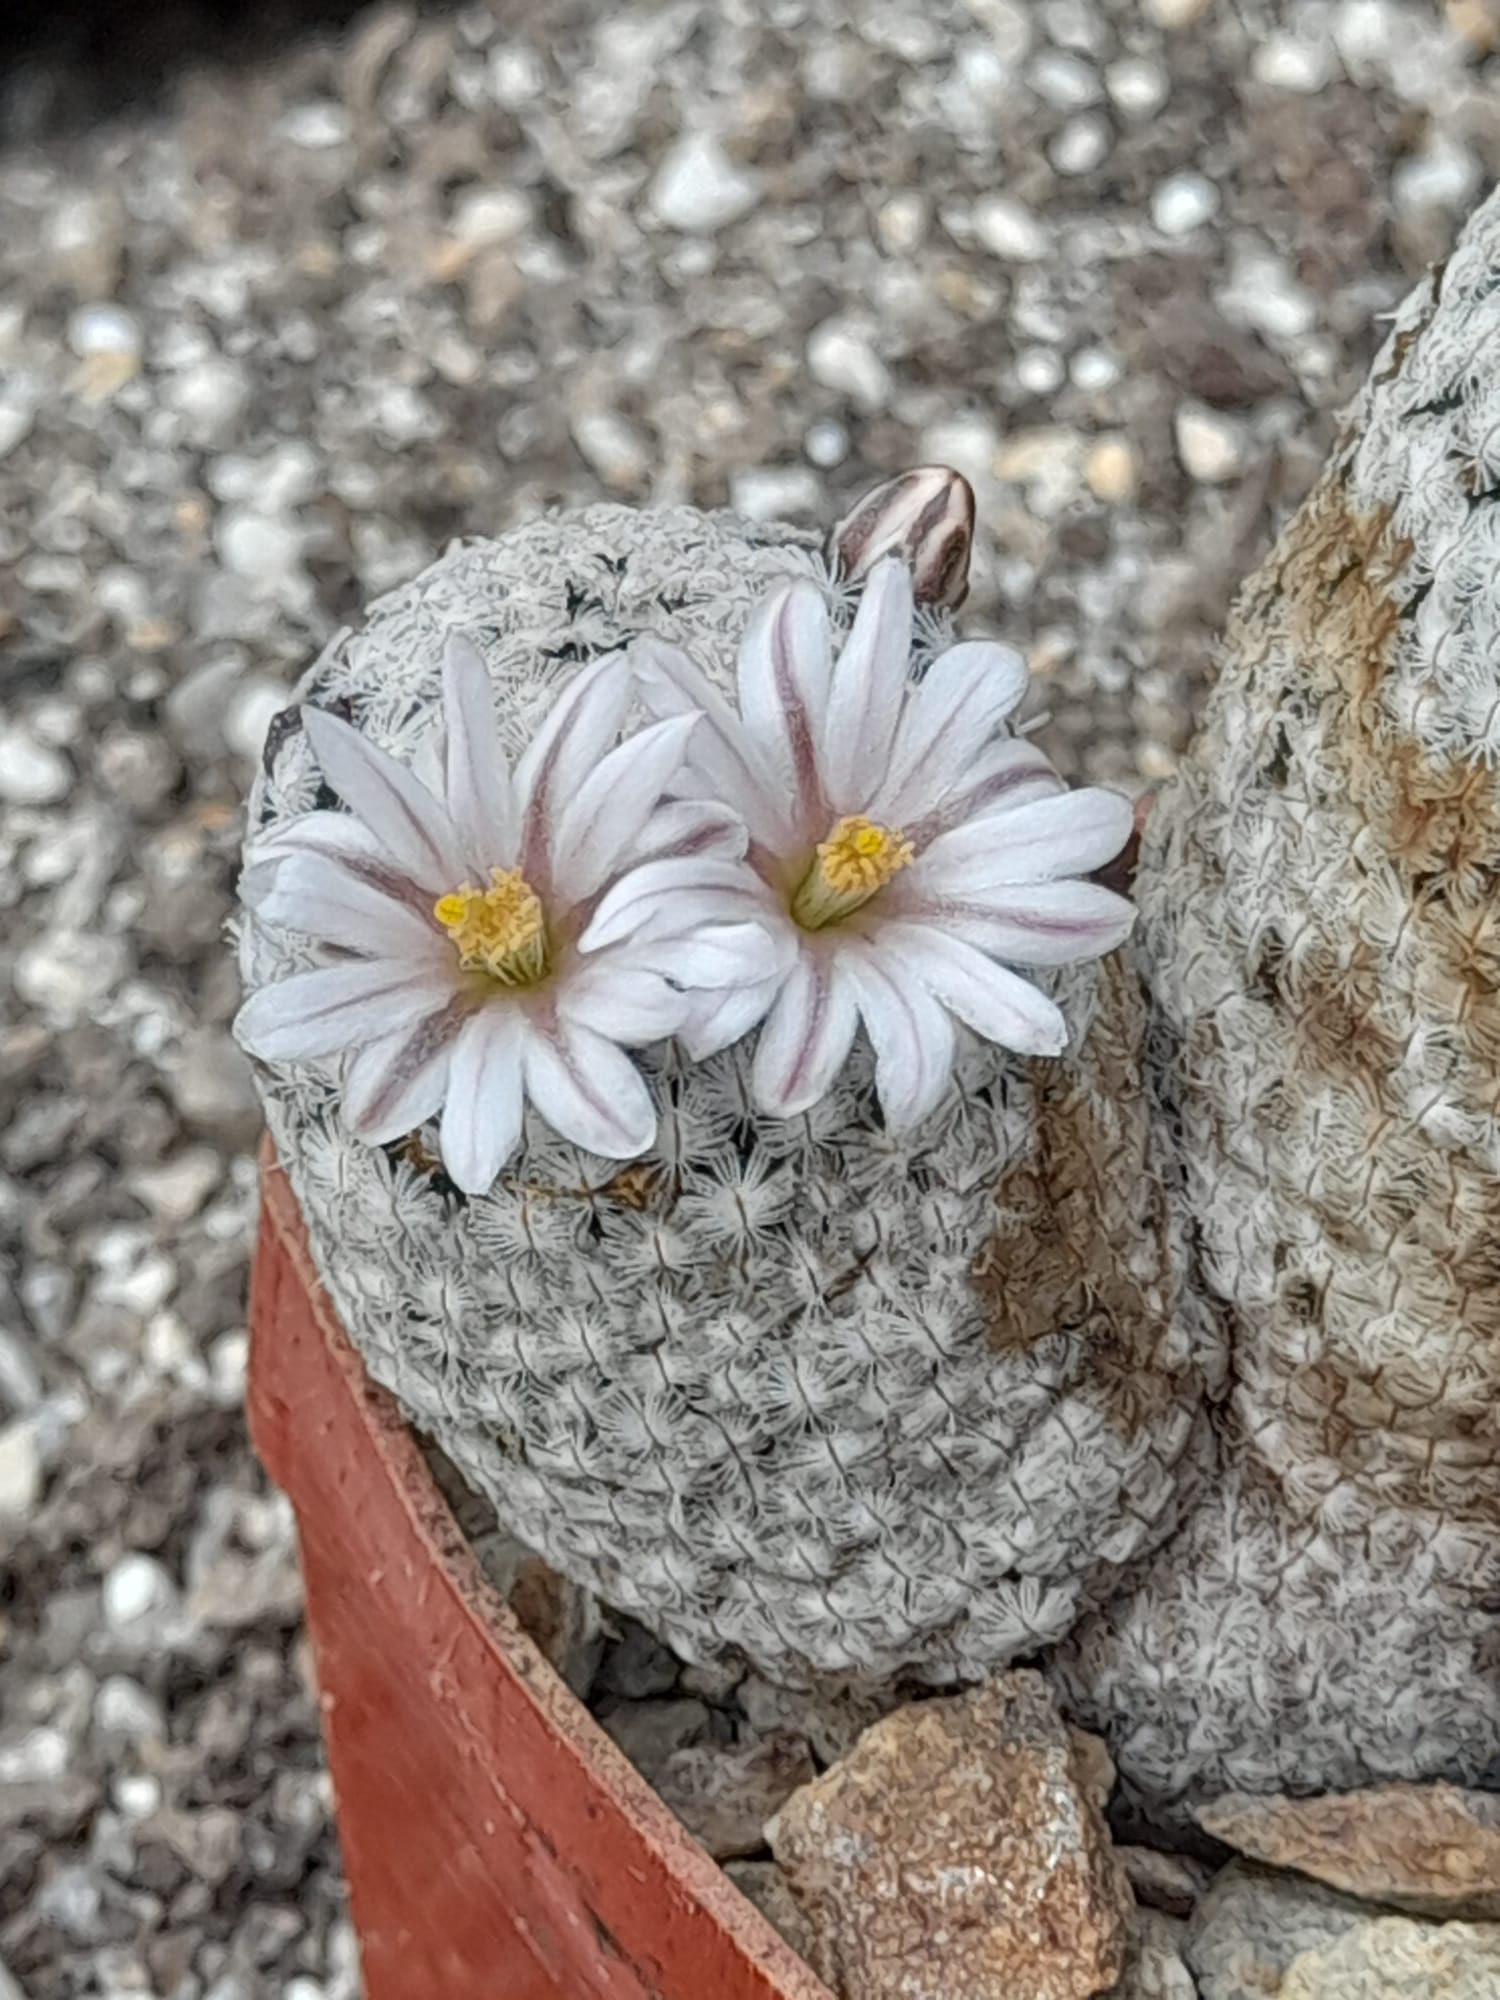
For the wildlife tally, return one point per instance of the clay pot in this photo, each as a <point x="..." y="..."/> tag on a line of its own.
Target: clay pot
<point x="497" y="1845"/>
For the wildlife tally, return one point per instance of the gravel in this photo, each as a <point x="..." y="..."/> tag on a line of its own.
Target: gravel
<point x="269" y="337"/>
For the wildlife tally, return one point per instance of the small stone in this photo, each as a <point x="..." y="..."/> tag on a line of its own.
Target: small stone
<point x="1210" y="445"/>
<point x="1444" y="175"/>
<point x="196" y="706"/>
<point x="773" y="492"/>
<point x="30" y="773"/>
<point x="699" y="189"/>
<point x="1094" y="369"/>
<point x="262" y="548"/>
<point x="66" y="972"/>
<point x="124" y="1711"/>
<point x="650" y="1731"/>
<point x="1292" y="62"/>
<point x="1048" y="461"/>
<point x="20" y="1470"/>
<point x="1111" y="471"/>
<point x="1081" y="145"/>
<point x="248" y="715"/>
<point x="17" y="414"/>
<point x="1184" y="202"/>
<point x="923" y="1858"/>
<point x="763" y="1884"/>
<point x="1009" y="230"/>
<point x="1065" y="81"/>
<point x="826" y="443"/>
<point x="1432" y="1850"/>
<point x="902" y="224"/>
<point x="485" y="216"/>
<point x="840" y="356"/>
<point x="1250" y="1923"/>
<point x="1396" y="1958"/>
<point x="315" y="126"/>
<point x="638" y="1665"/>
<point x="137" y="1794"/>
<point x="712" y="1681"/>
<point x="178" y="1188"/>
<point x="1039" y="371"/>
<point x="1137" y="87"/>
<point x="613" y="447"/>
<point x="725" y="1794"/>
<point x="35" y="1758"/>
<point x="103" y="329"/>
<point x="137" y="1588"/>
<point x="81" y="239"/>
<point x="1173" y="14"/>
<point x="210" y="397"/>
<point x="213" y="1087"/>
<point x="1169" y="1882"/>
<point x="563" y="1618"/>
<point x="1154" y="1965"/>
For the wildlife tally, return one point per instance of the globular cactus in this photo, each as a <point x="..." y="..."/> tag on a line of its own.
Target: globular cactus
<point x="842" y="1400"/>
<point x="1321" y="933"/>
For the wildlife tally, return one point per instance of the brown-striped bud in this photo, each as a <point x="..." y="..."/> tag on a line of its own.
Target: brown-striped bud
<point x="926" y="517"/>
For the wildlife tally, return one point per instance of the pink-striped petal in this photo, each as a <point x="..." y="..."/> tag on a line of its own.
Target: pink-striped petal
<point x="785" y="662"/>
<point x="661" y="898"/>
<point x="866" y="688"/>
<point x="718" y="1019"/>
<point x="410" y="824"/>
<point x="393" y="1085"/>
<point x="995" y="1003"/>
<point x="1042" y="923"/>
<point x="328" y="899"/>
<point x="587" y="1089"/>
<point x="480" y="798"/>
<point x="481" y="1125"/>
<point x="713" y="954"/>
<point x="723" y="765"/>
<point x="967" y="694"/>
<point x="911" y="1034"/>
<point x="629" y="1003"/>
<point x="324" y="1012"/>
<point x="612" y="805"/>
<point x="1071" y="834"/>
<point x="687" y="829"/>
<point x="580" y="727"/>
<point x="1001" y="776"/>
<point x="806" y="1036"/>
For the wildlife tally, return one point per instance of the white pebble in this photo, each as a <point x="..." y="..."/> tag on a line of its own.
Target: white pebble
<point x="62" y="972"/>
<point x="1039" y="371"/>
<point x="613" y="447"/>
<point x="1066" y="81"/>
<point x="103" y="330"/>
<point x="1081" y="144"/>
<point x="1008" y="229"/>
<point x="123" y="1709"/>
<point x="1288" y="62"/>
<point x="262" y="548"/>
<point x="142" y="1290"/>
<point x="179" y="1187"/>
<point x="315" y="125"/>
<point x="901" y="224"/>
<point x="1184" y="202"/>
<point x="36" y="1758"/>
<point x="1136" y="86"/>
<point x="137" y="1794"/>
<point x="1093" y="369"/>
<point x="30" y="773"/>
<point x="134" y="1587"/>
<point x="698" y="188"/>
<point x="826" y="443"/>
<point x="210" y="397"/>
<point x="17" y="415"/>
<point x="840" y="356"/>
<point x="20" y="1470"/>
<point x="1444" y="175"/>
<point x="1210" y="445"/>
<point x="1175" y="13"/>
<point x="769" y="493"/>
<point x="248" y="716"/>
<point x="483" y="216"/>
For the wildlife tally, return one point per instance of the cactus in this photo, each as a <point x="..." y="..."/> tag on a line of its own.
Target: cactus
<point x="1174" y="1358"/>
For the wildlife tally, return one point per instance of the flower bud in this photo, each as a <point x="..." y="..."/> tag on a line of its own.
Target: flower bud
<point x="926" y="517"/>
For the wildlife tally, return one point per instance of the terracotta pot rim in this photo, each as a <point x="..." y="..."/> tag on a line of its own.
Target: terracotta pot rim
<point x="456" y="1571"/>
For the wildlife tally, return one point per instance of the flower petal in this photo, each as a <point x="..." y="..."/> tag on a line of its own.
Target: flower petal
<point x="326" y="899"/>
<point x="662" y="898"/>
<point x="911" y="1034"/>
<point x="997" y="1004"/>
<point x="581" y="725"/>
<point x="405" y="818"/>
<point x="480" y="799"/>
<point x="723" y="762"/>
<point x="785" y="661"/>
<point x="340" y="838"/>
<point x="1000" y="777"/>
<point x="626" y="1002"/>
<point x="718" y="1018"/>
<point x="1067" y="835"/>
<point x="680" y="829"/>
<point x="606" y="814"/>
<point x="716" y="954"/>
<point x="866" y="687"/>
<point x="806" y="1036"/>
<point x="324" y="1012"/>
<point x="587" y="1089"/>
<point x="968" y="692"/>
<point x="1042" y="923"/>
<point x="396" y="1083"/>
<point x="481" y="1125"/>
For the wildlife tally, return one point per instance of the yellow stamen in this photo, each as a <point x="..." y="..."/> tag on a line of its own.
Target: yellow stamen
<point x="856" y="859"/>
<point x="497" y="931"/>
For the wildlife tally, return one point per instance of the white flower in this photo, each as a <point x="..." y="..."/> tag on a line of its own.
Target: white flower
<point x="903" y="847"/>
<point x="501" y="949"/>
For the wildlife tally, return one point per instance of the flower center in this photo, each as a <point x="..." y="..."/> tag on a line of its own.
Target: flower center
<point x="497" y="931"/>
<point x="856" y="859"/>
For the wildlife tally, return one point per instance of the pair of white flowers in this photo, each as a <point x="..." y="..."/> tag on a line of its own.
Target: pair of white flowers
<point x="846" y="846"/>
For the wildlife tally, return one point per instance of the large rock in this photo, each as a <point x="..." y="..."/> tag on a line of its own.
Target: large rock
<point x="959" y="1853"/>
<point x="1154" y="1967"/>
<point x="1250" y="1924"/>
<point x="1432" y="1849"/>
<point x="1396" y="1958"/>
<point x="725" y="1793"/>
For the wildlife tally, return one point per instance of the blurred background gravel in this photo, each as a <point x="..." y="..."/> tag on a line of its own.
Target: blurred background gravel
<point x="283" y="308"/>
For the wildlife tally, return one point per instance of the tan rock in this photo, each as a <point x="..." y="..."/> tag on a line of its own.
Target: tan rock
<point x="1431" y="1849"/>
<point x="725" y="1793"/>
<point x="1169" y="1882"/>
<point x="957" y="1853"/>
<point x="1154" y="1968"/>
<point x="1250" y="1924"/>
<point x="1397" y="1958"/>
